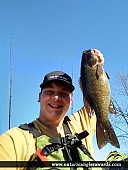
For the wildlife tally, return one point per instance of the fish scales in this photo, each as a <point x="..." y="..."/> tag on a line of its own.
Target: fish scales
<point x="96" y="91"/>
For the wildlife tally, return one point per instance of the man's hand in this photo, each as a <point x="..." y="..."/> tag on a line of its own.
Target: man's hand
<point x="99" y="55"/>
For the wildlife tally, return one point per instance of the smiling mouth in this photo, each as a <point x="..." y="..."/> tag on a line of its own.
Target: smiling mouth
<point x="55" y="106"/>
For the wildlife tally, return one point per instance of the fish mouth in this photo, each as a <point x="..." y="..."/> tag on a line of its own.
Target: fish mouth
<point x="91" y="61"/>
<point x="89" y="58"/>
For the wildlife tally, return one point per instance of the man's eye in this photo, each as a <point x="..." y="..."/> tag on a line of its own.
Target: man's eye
<point x="49" y="92"/>
<point x="64" y="94"/>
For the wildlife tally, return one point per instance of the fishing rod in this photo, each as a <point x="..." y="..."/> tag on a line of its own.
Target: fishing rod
<point x="72" y="79"/>
<point x="10" y="90"/>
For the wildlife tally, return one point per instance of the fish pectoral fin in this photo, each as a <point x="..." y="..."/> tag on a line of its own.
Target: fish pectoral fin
<point x="112" y="108"/>
<point x="99" y="71"/>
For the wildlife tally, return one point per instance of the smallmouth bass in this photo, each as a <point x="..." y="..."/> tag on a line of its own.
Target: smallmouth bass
<point x="95" y="86"/>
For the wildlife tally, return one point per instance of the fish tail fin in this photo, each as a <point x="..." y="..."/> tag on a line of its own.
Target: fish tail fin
<point x="105" y="134"/>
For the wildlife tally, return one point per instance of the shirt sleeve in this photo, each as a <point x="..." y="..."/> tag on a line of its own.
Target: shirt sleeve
<point x="16" y="145"/>
<point x="81" y="121"/>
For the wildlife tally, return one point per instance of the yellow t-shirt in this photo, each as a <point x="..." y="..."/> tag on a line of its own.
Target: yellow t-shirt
<point x="19" y="145"/>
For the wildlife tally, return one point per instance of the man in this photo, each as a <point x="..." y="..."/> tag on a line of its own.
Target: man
<point x="18" y="144"/>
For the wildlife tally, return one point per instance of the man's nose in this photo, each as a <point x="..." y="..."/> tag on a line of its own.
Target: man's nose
<point x="56" y="96"/>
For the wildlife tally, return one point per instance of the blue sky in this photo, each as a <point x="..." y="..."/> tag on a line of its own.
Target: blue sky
<point x="51" y="35"/>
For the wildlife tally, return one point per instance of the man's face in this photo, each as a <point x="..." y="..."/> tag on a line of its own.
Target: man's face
<point x="55" y="100"/>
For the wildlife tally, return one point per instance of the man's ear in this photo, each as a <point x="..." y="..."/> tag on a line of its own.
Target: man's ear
<point x="39" y="97"/>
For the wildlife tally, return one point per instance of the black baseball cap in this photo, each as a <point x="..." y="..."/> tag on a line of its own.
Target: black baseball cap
<point x="57" y="76"/>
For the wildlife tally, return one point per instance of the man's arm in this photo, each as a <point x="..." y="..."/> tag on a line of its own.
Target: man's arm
<point x="16" y="145"/>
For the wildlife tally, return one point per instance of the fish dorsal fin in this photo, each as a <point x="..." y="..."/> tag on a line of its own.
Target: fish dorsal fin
<point x="80" y="84"/>
<point x="99" y="70"/>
